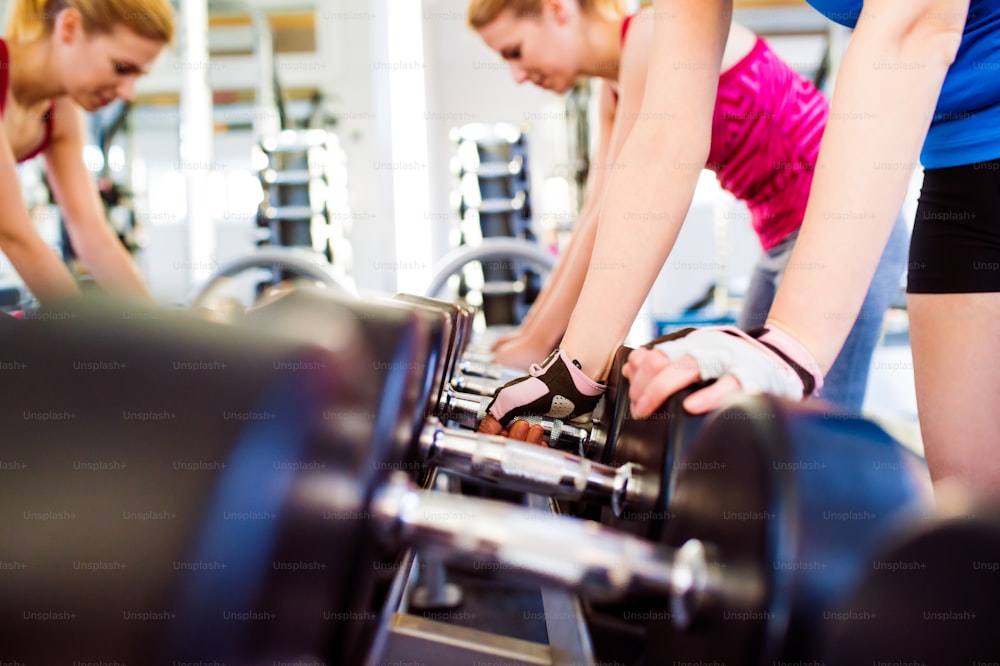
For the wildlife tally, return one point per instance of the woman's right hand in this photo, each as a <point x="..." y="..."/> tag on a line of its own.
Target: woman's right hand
<point x="557" y="388"/>
<point x="763" y="360"/>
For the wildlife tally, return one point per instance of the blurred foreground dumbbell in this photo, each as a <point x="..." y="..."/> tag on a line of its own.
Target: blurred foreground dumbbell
<point x="930" y="593"/>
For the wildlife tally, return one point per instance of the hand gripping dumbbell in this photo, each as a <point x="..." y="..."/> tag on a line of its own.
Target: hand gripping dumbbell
<point x="463" y="401"/>
<point x="639" y="458"/>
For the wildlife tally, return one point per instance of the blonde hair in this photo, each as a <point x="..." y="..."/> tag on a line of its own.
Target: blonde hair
<point x="31" y="20"/>
<point x="483" y="12"/>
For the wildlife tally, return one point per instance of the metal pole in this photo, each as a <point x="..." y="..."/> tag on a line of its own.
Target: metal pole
<point x="196" y="138"/>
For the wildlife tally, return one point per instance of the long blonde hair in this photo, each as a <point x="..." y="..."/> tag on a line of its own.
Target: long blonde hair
<point x="483" y="12"/>
<point x="30" y="20"/>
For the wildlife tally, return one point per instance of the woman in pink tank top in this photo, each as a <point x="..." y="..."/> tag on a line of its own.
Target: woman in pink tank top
<point x="766" y="129"/>
<point x="58" y="57"/>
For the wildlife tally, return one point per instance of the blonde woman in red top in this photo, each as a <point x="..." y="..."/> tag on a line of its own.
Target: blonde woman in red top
<point x="59" y="58"/>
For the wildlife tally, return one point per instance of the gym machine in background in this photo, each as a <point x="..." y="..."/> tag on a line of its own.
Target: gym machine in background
<point x="493" y="189"/>
<point x="305" y="199"/>
<point x="301" y="169"/>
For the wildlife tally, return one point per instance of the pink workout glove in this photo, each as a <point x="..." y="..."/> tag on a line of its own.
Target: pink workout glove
<point x="763" y="359"/>
<point x="557" y="388"/>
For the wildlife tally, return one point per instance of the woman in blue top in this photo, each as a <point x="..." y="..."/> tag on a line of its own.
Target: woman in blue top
<point x="920" y="78"/>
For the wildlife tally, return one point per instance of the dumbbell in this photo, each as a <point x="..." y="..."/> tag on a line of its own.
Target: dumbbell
<point x="149" y="460"/>
<point x="777" y="509"/>
<point x="270" y="549"/>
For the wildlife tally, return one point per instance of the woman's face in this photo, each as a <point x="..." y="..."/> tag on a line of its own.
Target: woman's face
<point x="97" y="69"/>
<point x="543" y="49"/>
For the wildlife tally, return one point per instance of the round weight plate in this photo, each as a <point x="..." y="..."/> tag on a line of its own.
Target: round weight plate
<point x="792" y="499"/>
<point x="932" y="596"/>
<point x="451" y="324"/>
<point x="655" y="443"/>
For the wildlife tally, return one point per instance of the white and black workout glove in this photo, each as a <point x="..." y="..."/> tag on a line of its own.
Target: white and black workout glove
<point x="557" y="388"/>
<point x="766" y="360"/>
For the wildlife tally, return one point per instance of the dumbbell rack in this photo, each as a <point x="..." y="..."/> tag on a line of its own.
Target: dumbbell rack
<point x="493" y="193"/>
<point x="305" y="200"/>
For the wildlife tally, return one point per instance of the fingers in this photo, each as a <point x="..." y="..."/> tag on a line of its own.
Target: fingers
<point x="712" y="396"/>
<point x="500" y="343"/>
<point x="653" y="379"/>
<point x="656" y="379"/>
<point x="522" y="430"/>
<point x="536" y="435"/>
<point x="490" y="426"/>
<point x="518" y="430"/>
<point x="644" y="359"/>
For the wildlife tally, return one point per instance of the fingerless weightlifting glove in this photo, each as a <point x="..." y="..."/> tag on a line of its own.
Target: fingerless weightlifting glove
<point x="762" y="359"/>
<point x="557" y="388"/>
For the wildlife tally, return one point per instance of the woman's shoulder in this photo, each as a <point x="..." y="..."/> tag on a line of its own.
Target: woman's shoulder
<point x="65" y="118"/>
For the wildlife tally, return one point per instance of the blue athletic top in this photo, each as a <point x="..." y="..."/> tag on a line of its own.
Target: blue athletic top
<point x="966" y="124"/>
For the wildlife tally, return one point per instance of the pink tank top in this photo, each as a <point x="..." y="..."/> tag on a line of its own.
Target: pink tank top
<point x="766" y="130"/>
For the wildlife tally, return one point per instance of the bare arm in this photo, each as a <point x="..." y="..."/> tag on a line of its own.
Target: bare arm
<point x="650" y="191"/>
<point x="886" y="93"/>
<point x="39" y="266"/>
<point x="550" y="315"/>
<point x="546" y="322"/>
<point x="73" y="186"/>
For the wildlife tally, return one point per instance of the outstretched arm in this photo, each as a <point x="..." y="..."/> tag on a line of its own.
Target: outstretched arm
<point x="73" y="186"/>
<point x="43" y="272"/>
<point x="885" y="96"/>
<point x="546" y="322"/>
<point x="651" y="188"/>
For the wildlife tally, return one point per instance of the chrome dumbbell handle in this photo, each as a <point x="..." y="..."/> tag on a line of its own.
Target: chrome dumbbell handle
<point x="468" y="409"/>
<point x="477" y="385"/>
<point x="543" y="548"/>
<point x="536" y="469"/>
<point x="567" y="437"/>
<point x="465" y="409"/>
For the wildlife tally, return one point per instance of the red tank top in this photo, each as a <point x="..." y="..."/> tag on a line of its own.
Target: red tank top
<point x="4" y="82"/>
<point x="766" y="130"/>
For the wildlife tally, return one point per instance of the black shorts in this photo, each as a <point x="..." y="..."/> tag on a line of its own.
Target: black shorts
<point x="955" y="247"/>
